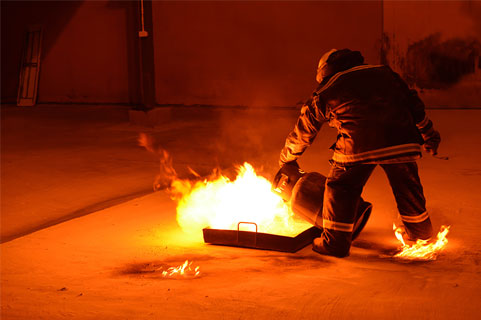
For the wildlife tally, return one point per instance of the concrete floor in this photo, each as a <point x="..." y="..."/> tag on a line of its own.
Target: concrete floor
<point x="60" y="160"/>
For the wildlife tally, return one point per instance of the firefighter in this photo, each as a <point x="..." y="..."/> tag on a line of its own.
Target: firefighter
<point x="380" y="121"/>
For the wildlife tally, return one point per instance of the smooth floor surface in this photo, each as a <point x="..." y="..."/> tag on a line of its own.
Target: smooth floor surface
<point x="106" y="265"/>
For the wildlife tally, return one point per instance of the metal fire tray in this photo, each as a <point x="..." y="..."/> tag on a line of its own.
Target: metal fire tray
<point x="259" y="240"/>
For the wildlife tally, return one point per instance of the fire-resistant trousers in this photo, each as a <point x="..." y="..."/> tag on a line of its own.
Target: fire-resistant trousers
<point x="342" y="197"/>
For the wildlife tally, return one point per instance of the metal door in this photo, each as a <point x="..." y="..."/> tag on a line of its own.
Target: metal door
<point x="30" y="67"/>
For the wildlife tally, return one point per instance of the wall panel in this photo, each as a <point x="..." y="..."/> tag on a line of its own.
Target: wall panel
<point x="254" y="53"/>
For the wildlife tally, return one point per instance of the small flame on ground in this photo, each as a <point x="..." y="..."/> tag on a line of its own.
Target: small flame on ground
<point x="422" y="249"/>
<point x="184" y="271"/>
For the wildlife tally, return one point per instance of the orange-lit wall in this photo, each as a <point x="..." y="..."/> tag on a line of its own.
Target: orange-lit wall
<point x="233" y="53"/>
<point x="85" y="50"/>
<point x="220" y="53"/>
<point x="448" y="31"/>
<point x="254" y="53"/>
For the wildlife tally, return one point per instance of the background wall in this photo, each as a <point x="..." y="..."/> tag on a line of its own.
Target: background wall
<point x="86" y="55"/>
<point x="219" y="53"/>
<point x="254" y="53"/>
<point x="241" y="52"/>
<point x="435" y="45"/>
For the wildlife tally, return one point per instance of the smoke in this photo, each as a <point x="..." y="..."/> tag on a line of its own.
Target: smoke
<point x="217" y="139"/>
<point x="435" y="64"/>
<point x="254" y="135"/>
<point x="168" y="178"/>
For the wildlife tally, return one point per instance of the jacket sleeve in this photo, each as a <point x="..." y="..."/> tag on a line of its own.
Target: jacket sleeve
<point x="423" y="123"/>
<point x="416" y="107"/>
<point x="307" y="126"/>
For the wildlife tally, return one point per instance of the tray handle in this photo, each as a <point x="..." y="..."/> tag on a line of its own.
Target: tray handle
<point x="255" y="234"/>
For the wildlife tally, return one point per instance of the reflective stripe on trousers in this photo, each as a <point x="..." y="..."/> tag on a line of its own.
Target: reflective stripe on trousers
<point x="338" y="226"/>
<point x="415" y="218"/>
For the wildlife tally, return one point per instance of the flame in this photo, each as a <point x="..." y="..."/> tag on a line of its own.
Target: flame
<point x="167" y="172"/>
<point x="220" y="203"/>
<point x="184" y="271"/>
<point x="422" y="249"/>
<point x="399" y="232"/>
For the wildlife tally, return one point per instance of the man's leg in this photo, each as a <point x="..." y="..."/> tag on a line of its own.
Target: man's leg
<point x="408" y="191"/>
<point x="341" y="200"/>
<point x="362" y="216"/>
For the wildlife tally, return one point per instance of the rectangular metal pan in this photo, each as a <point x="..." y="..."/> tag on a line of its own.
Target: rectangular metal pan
<point x="259" y="240"/>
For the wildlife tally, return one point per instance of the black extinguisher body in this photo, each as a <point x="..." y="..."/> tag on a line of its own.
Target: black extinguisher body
<point x="304" y="191"/>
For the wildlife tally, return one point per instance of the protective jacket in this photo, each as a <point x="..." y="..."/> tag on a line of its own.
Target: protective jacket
<point x="378" y="118"/>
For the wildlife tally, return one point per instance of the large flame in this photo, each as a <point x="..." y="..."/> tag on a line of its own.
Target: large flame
<point x="220" y="203"/>
<point x="422" y="249"/>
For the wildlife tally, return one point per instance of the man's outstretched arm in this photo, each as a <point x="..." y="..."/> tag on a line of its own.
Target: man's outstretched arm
<point x="307" y="126"/>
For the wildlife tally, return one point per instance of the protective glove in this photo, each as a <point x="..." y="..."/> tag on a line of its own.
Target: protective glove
<point x="286" y="178"/>
<point x="432" y="138"/>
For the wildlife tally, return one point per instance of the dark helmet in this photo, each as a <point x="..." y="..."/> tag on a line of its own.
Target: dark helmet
<point x="335" y="61"/>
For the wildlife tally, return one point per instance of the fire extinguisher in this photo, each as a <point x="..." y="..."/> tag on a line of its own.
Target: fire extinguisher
<point x="304" y="191"/>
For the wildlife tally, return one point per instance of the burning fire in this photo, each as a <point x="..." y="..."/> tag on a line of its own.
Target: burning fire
<point x="220" y="203"/>
<point x="422" y="249"/>
<point x="184" y="271"/>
